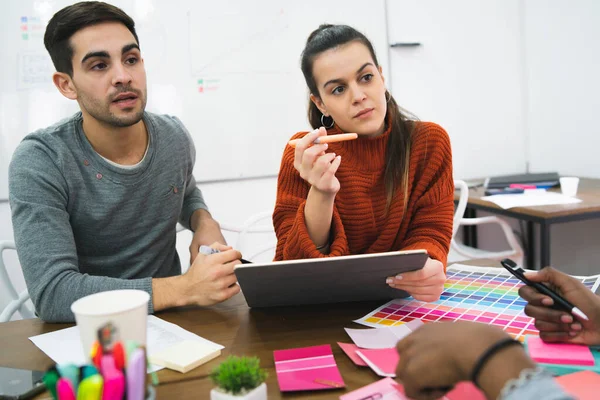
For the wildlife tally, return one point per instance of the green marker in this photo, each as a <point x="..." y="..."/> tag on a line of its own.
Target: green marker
<point x="50" y="378"/>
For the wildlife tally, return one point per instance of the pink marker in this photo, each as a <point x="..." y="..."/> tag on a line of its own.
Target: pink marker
<point x="64" y="389"/>
<point x="114" y="380"/>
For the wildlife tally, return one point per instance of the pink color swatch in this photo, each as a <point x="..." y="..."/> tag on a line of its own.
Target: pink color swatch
<point x="384" y="387"/>
<point x="465" y="390"/>
<point x="350" y="350"/>
<point x="559" y="353"/>
<point x="584" y="385"/>
<point x="307" y="368"/>
<point x="382" y="361"/>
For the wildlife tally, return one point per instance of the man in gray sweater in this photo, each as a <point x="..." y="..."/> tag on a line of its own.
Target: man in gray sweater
<point x="95" y="198"/>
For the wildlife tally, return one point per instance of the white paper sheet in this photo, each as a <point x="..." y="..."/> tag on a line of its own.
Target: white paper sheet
<point x="382" y="338"/>
<point x="530" y="199"/>
<point x="64" y="346"/>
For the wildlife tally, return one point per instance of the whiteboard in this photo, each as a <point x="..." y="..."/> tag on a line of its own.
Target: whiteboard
<point x="229" y="69"/>
<point x="465" y="76"/>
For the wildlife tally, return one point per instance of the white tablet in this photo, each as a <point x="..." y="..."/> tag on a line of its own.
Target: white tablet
<point x="326" y="280"/>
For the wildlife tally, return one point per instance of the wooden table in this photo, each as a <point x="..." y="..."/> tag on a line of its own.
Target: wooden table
<point x="545" y="216"/>
<point x="243" y="331"/>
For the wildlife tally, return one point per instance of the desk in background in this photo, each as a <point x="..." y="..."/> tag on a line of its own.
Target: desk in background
<point x="545" y="216"/>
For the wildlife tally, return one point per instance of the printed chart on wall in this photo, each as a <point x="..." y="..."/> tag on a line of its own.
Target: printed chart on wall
<point x="486" y="295"/>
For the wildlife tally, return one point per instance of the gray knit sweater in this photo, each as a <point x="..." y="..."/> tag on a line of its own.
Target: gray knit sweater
<point x="83" y="225"/>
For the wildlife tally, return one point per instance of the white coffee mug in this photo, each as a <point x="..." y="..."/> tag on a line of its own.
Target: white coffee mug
<point x="568" y="185"/>
<point x="126" y="310"/>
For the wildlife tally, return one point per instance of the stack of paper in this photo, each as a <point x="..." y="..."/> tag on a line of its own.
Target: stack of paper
<point x="64" y="346"/>
<point x="530" y="199"/>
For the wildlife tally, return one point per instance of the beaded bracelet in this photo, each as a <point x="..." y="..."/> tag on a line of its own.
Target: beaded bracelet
<point x="493" y="349"/>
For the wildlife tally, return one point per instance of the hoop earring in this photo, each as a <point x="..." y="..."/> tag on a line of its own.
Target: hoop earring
<point x="323" y="122"/>
<point x="388" y="96"/>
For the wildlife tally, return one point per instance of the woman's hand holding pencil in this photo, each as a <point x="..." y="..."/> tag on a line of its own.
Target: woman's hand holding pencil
<point x="316" y="166"/>
<point x="342" y="137"/>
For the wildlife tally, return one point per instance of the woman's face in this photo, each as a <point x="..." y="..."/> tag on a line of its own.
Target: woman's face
<point x="351" y="89"/>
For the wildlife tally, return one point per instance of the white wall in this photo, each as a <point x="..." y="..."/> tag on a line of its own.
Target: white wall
<point x="466" y="76"/>
<point x="562" y="65"/>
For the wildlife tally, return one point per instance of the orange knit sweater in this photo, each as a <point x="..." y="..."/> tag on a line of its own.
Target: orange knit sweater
<point x="359" y="223"/>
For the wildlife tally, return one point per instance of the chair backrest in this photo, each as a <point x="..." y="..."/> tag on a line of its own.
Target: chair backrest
<point x="256" y="238"/>
<point x="17" y="300"/>
<point x="459" y="212"/>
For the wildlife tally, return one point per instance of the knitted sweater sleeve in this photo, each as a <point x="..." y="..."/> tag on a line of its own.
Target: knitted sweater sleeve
<point x="293" y="240"/>
<point x="431" y="215"/>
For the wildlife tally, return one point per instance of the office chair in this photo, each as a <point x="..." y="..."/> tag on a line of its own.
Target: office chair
<point x="466" y="252"/>
<point x="18" y="300"/>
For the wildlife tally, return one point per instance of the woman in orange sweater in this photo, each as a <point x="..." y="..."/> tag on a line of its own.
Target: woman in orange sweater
<point x="390" y="189"/>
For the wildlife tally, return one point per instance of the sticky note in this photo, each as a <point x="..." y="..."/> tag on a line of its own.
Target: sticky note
<point x="186" y="355"/>
<point x="584" y="385"/>
<point x="559" y="353"/>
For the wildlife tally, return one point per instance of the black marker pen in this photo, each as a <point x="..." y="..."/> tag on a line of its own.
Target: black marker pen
<point x="540" y="287"/>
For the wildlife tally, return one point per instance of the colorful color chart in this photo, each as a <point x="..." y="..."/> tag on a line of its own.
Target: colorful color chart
<point x="481" y="294"/>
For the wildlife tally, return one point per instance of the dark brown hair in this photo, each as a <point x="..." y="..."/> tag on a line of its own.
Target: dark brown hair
<point x="73" y="18"/>
<point x="327" y="37"/>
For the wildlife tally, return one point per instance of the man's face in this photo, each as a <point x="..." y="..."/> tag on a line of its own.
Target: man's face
<point x="108" y="74"/>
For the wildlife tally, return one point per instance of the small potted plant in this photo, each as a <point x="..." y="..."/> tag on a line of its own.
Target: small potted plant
<point x="239" y="378"/>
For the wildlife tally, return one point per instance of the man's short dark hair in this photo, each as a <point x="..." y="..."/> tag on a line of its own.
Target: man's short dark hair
<point x="66" y="22"/>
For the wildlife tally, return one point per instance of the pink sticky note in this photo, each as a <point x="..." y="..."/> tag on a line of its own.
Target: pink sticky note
<point x="465" y="390"/>
<point x="382" y="361"/>
<point x="307" y="368"/>
<point x="383" y="388"/>
<point x="559" y="353"/>
<point x="350" y="350"/>
<point x="584" y="385"/>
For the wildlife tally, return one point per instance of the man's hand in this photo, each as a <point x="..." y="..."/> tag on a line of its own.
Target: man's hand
<point x="438" y="355"/>
<point x="210" y="279"/>
<point x="206" y="231"/>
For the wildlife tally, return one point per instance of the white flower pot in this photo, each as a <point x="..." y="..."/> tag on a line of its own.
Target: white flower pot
<point x="259" y="393"/>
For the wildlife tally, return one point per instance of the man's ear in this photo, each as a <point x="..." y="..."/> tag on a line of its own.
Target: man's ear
<point x="319" y="103"/>
<point x="64" y="84"/>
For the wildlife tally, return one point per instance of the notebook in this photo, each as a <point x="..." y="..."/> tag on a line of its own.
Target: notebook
<point x="186" y="355"/>
<point x="307" y="368"/>
<point x="546" y="179"/>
